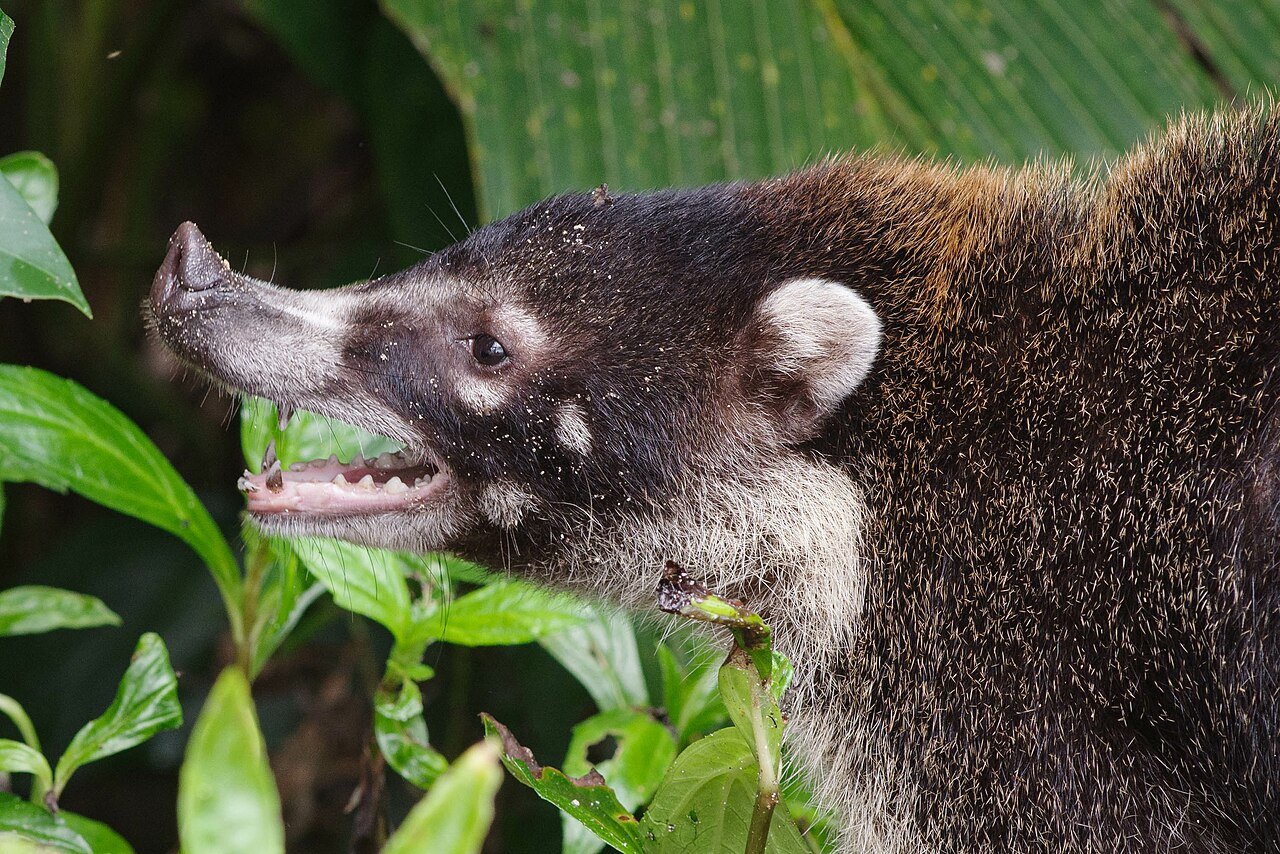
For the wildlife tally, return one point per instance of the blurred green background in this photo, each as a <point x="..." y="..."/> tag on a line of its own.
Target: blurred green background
<point x="321" y="141"/>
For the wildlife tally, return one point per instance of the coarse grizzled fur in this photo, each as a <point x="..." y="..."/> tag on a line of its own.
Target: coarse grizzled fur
<point x="997" y="451"/>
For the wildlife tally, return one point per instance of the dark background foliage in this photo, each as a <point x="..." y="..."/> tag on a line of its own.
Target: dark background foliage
<point x="315" y="145"/>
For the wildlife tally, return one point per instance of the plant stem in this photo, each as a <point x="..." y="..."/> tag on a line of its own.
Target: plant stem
<point x="255" y="570"/>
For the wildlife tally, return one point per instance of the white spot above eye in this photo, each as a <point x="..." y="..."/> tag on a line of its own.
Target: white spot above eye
<point x="572" y="429"/>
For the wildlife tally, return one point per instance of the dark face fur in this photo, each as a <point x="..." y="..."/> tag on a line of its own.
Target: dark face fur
<point x="574" y="386"/>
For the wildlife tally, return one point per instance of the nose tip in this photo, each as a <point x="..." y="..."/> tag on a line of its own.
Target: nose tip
<point x="190" y="266"/>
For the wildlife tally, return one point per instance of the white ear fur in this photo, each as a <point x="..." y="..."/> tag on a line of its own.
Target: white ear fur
<point x="822" y="338"/>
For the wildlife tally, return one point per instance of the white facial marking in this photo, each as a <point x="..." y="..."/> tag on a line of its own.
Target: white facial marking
<point x="481" y="394"/>
<point x="830" y="336"/>
<point x="571" y="428"/>
<point x="504" y="503"/>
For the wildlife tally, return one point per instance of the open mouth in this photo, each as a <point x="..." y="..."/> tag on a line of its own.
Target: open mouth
<point x="330" y="487"/>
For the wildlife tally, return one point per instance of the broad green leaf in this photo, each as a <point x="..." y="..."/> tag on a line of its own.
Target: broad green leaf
<point x="32" y="265"/>
<point x="503" y="613"/>
<point x="705" y="803"/>
<point x="455" y="816"/>
<point x="22" y="820"/>
<point x="102" y="839"/>
<point x="35" y="178"/>
<point x="588" y="799"/>
<point x="602" y="655"/>
<point x="401" y="734"/>
<point x="367" y="581"/>
<point x="146" y="703"/>
<point x="55" y="433"/>
<point x="751" y="705"/>
<point x="1238" y="36"/>
<point x="566" y="94"/>
<point x="308" y="436"/>
<point x="16" y="757"/>
<point x="644" y="750"/>
<point x="227" y="799"/>
<point x="32" y="609"/>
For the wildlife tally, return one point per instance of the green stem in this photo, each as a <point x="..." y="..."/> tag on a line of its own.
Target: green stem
<point x="255" y="570"/>
<point x="769" y="792"/>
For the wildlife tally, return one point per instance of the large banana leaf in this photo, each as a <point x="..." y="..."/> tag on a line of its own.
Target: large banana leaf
<point x="561" y="94"/>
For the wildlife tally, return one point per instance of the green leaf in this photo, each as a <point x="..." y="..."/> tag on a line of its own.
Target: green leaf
<point x="401" y="734"/>
<point x="32" y="265"/>
<point x="102" y="839"/>
<point x="13" y="710"/>
<point x="227" y="799"/>
<point x="644" y="750"/>
<point x="55" y="433"/>
<point x="602" y="655"/>
<point x="146" y="703"/>
<point x="16" y="757"/>
<point x="588" y="799"/>
<point x="6" y="30"/>
<point x="281" y="591"/>
<point x="35" y="178"/>
<point x="20" y="819"/>
<point x="709" y="794"/>
<point x="455" y="816"/>
<point x="690" y="692"/>
<point x="307" y="437"/>
<point x="1239" y="36"/>
<point x="33" y="609"/>
<point x="503" y="613"/>
<point x="751" y="706"/>
<point x="367" y="581"/>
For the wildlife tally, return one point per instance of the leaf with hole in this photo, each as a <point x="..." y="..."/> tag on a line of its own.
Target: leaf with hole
<point x="588" y="799"/>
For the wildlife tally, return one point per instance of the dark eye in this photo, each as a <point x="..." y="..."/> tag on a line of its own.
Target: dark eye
<point x="488" y="350"/>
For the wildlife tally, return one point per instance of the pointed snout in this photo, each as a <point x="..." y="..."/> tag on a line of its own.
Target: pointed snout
<point x="190" y="272"/>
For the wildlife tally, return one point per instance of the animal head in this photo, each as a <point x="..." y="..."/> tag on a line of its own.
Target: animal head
<point x="583" y="390"/>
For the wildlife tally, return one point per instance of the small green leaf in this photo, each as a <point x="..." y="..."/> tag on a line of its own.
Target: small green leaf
<point x="588" y="799"/>
<point x="503" y="613"/>
<point x="367" y="581"/>
<point x="227" y="799"/>
<point x="6" y="30"/>
<point x="751" y="705"/>
<point x="22" y="820"/>
<point x="33" y="609"/>
<point x="709" y="794"/>
<point x="16" y="757"/>
<point x="146" y="703"/>
<point x="690" y="692"/>
<point x="401" y="734"/>
<point x="454" y="817"/>
<point x="32" y="265"/>
<point x="35" y="178"/>
<point x="102" y="839"/>
<point x="55" y="433"/>
<point x="602" y="655"/>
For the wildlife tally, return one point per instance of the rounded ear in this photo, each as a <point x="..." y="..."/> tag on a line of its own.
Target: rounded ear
<point x="812" y="343"/>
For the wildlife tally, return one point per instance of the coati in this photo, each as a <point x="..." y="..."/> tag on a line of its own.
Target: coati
<point x="996" y="451"/>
